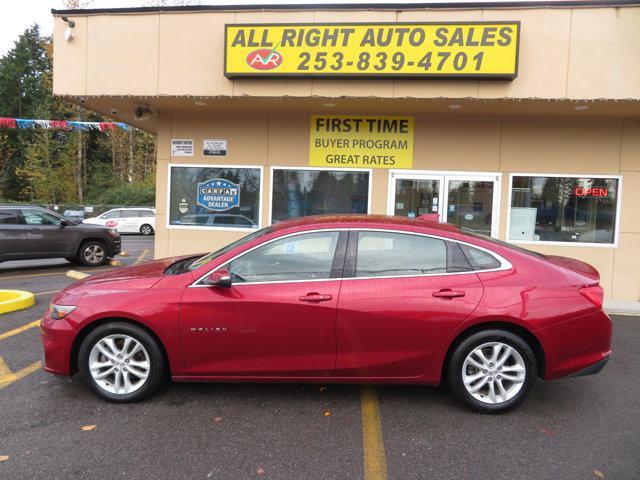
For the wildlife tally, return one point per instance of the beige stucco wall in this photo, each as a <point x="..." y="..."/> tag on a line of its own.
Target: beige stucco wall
<point x="447" y="143"/>
<point x="579" y="53"/>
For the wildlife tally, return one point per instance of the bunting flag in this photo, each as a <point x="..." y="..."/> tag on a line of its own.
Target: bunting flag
<point x="61" y="124"/>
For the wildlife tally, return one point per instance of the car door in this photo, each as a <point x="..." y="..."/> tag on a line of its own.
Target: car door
<point x="129" y="221"/>
<point x="12" y="234"/>
<point x="110" y="219"/>
<point x="45" y="235"/>
<point x="278" y="317"/>
<point x="401" y="295"/>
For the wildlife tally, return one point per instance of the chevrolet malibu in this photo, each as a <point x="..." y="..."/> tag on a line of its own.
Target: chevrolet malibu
<point x="366" y="299"/>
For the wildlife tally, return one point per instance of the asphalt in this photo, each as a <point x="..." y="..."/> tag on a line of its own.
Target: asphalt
<point x="580" y="428"/>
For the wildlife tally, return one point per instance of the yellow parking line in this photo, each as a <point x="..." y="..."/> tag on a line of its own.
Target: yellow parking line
<point x="7" y="377"/>
<point x="46" y="293"/>
<point x="52" y="273"/>
<point x="21" y="329"/>
<point x="375" y="463"/>
<point x="141" y="257"/>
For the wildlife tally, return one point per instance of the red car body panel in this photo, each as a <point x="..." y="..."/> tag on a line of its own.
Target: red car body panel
<point x="378" y="329"/>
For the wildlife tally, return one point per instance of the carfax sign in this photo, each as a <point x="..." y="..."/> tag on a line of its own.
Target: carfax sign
<point x="442" y="50"/>
<point x="361" y="141"/>
<point x="218" y="194"/>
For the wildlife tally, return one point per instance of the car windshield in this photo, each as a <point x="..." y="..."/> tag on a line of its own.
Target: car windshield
<point x="189" y="264"/>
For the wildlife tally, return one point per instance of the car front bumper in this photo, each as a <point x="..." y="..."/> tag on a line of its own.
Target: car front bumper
<point x="57" y="340"/>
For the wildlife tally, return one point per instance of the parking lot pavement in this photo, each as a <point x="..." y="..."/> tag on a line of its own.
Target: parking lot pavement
<point x="582" y="428"/>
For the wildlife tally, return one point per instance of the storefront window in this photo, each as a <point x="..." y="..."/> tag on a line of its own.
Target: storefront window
<point x="563" y="209"/>
<point x="209" y="196"/>
<point x="298" y="193"/>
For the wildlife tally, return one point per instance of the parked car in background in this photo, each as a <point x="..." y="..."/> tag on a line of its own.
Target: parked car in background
<point x="128" y="220"/>
<point x="29" y="233"/>
<point x="75" y="215"/>
<point x="216" y="220"/>
<point x="361" y="298"/>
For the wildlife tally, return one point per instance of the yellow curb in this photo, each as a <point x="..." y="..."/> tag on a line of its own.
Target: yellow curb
<point x="124" y="254"/>
<point x="76" y="275"/>
<point x="11" y="300"/>
<point x="115" y="263"/>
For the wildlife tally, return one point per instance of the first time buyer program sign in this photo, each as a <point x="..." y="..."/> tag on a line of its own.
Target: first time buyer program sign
<point x="443" y="50"/>
<point x="358" y="141"/>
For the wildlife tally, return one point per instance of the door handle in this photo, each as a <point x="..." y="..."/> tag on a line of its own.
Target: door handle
<point x="448" y="293"/>
<point x="315" y="297"/>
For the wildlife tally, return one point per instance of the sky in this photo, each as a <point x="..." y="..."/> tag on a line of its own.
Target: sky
<point x="17" y="15"/>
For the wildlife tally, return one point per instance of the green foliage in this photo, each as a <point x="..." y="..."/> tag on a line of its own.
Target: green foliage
<point x="41" y="166"/>
<point x="134" y="195"/>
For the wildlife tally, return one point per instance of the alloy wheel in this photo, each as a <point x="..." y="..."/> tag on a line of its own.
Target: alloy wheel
<point x="94" y="254"/>
<point x="493" y="372"/>
<point x="119" y="364"/>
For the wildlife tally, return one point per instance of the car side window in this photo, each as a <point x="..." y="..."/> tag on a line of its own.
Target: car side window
<point x="306" y="256"/>
<point x="479" y="259"/>
<point x="9" y="217"/>
<point x="112" y="214"/>
<point x="383" y="254"/>
<point x="129" y="213"/>
<point x="146" y="213"/>
<point x="39" y="217"/>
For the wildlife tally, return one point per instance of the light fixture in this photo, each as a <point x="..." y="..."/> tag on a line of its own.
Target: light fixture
<point x="455" y="106"/>
<point x="581" y="107"/>
<point x="200" y="103"/>
<point x="329" y="105"/>
<point x="68" y="33"/>
<point x="143" y="112"/>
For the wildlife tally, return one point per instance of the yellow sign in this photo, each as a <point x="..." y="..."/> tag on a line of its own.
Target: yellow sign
<point x="361" y="141"/>
<point x="441" y="50"/>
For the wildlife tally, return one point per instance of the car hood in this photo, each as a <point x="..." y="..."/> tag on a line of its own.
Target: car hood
<point x="137" y="277"/>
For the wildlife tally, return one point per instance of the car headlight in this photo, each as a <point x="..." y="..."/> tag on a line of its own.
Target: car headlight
<point x="58" y="312"/>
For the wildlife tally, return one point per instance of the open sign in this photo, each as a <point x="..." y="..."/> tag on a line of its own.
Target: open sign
<point x="591" y="192"/>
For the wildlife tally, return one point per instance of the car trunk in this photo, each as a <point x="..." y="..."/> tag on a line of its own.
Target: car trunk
<point x="586" y="272"/>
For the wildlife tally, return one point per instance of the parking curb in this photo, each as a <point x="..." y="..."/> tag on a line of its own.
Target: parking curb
<point x="76" y="275"/>
<point x="12" y="300"/>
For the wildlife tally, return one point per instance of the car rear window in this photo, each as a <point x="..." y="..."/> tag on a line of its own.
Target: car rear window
<point x="506" y="244"/>
<point x="9" y="217"/>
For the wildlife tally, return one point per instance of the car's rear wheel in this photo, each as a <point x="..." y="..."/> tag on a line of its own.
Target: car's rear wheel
<point x="146" y="229"/>
<point x="121" y="362"/>
<point x="492" y="371"/>
<point x="93" y="253"/>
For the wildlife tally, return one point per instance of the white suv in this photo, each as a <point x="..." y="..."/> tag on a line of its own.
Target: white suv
<point x="128" y="220"/>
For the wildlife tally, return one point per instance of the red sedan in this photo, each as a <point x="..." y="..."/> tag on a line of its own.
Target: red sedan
<point x="337" y="298"/>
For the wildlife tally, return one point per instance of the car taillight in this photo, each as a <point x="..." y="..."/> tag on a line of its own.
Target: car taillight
<point x="594" y="294"/>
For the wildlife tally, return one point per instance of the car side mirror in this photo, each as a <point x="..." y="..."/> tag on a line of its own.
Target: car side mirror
<point x="65" y="223"/>
<point x="219" y="278"/>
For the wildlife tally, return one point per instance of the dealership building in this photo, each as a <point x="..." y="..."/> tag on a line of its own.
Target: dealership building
<point x="519" y="120"/>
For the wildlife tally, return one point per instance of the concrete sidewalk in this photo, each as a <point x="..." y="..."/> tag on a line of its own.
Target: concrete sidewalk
<point x="622" y="307"/>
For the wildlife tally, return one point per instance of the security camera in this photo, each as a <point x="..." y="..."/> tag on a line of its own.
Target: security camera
<point x="142" y="113"/>
<point x="114" y="111"/>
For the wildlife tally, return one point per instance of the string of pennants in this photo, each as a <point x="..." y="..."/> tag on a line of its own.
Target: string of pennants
<point x="24" y="123"/>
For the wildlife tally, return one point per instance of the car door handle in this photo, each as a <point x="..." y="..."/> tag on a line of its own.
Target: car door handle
<point x="315" y="297"/>
<point x="448" y="293"/>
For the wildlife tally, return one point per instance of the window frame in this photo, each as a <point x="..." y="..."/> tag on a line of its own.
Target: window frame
<point x="326" y="169"/>
<point x="211" y="227"/>
<point x="349" y="258"/>
<point x="198" y="284"/>
<point x="616" y="235"/>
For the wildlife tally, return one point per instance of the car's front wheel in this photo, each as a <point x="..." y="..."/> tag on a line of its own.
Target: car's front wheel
<point x="146" y="229"/>
<point x="121" y="362"/>
<point x="492" y="371"/>
<point x="92" y="254"/>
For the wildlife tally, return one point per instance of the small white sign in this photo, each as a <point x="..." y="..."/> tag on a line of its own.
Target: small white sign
<point x="215" y="148"/>
<point x="182" y="147"/>
<point x="88" y="209"/>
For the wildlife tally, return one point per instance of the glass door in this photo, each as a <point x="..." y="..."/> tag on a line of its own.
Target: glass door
<point x="413" y="195"/>
<point x="470" y="201"/>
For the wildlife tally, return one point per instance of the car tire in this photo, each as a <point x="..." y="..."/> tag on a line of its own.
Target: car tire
<point x="104" y="368"/>
<point x="492" y="371"/>
<point x="146" y="229"/>
<point x="93" y="253"/>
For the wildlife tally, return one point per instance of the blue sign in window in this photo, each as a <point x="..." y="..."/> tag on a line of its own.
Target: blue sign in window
<point x="218" y="194"/>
